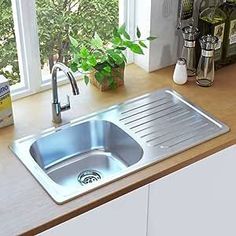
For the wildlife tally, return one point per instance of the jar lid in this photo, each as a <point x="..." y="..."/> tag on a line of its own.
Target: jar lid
<point x="208" y="42"/>
<point x="190" y="33"/>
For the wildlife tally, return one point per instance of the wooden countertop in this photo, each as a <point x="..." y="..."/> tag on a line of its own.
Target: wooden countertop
<point x="25" y="208"/>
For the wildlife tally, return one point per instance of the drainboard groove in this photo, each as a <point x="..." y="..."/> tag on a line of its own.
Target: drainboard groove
<point x="156" y="118"/>
<point x="180" y="134"/>
<point x="149" y="115"/>
<point x="198" y="134"/>
<point x="138" y="113"/>
<point x="175" y="129"/>
<point x="143" y="105"/>
<point x="170" y="125"/>
<point x="165" y="122"/>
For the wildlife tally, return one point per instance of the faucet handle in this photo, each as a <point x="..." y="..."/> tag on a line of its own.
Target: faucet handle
<point x="67" y="105"/>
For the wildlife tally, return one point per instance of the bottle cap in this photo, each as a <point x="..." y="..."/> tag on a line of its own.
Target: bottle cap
<point x="190" y="33"/>
<point x="208" y="42"/>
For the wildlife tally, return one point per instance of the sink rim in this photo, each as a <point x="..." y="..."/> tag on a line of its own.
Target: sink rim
<point x="59" y="194"/>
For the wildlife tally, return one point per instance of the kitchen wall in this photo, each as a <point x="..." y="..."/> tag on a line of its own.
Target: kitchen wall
<point x="158" y="18"/>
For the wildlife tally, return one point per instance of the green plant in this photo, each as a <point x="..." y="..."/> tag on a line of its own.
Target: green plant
<point x="102" y="57"/>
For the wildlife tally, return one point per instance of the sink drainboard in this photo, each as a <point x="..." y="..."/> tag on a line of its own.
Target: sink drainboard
<point x="165" y="120"/>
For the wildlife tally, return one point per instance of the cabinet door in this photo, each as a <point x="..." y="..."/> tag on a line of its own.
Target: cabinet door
<point x="199" y="200"/>
<point x="124" y="216"/>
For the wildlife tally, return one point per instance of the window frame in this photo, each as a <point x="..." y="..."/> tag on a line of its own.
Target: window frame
<point x="27" y="42"/>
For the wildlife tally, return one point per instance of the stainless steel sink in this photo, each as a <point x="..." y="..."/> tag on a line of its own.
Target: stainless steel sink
<point x="97" y="149"/>
<point x="85" y="153"/>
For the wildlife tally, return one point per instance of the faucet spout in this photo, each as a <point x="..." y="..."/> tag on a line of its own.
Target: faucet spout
<point x="56" y="106"/>
<point x="75" y="89"/>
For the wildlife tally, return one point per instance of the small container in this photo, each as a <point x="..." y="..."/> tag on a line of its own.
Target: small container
<point x="6" y="116"/>
<point x="206" y="65"/>
<point x="180" y="73"/>
<point x="190" y="34"/>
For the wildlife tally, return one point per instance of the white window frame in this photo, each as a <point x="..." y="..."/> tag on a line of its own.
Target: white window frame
<point x="24" y="16"/>
<point x="26" y="30"/>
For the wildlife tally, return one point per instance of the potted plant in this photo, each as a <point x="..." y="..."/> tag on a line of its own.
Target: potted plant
<point x="103" y="63"/>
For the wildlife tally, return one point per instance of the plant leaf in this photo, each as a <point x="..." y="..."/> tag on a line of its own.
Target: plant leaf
<point x="124" y="57"/>
<point x="128" y="44"/>
<point x="85" y="66"/>
<point x="136" y="49"/>
<point x="92" y="60"/>
<point x="116" y="57"/>
<point x="117" y="41"/>
<point x="73" y="41"/>
<point x="151" y="38"/>
<point x="138" y="33"/>
<point x="99" y="77"/>
<point x="107" y="69"/>
<point x="74" y="66"/>
<point x="115" y="32"/>
<point x="122" y="31"/>
<point x="142" y="44"/>
<point x="97" y="42"/>
<point x="126" y="35"/>
<point x="86" y="79"/>
<point x="84" y="53"/>
<point x="121" y="48"/>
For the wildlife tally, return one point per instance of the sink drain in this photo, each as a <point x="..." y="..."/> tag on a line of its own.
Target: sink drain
<point x="89" y="176"/>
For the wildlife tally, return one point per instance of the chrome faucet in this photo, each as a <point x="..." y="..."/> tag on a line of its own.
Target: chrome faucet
<point x="56" y="106"/>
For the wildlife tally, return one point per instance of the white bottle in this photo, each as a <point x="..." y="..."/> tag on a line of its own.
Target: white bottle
<point x="180" y="75"/>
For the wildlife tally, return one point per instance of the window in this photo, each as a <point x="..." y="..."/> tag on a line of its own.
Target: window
<point x="9" y="66"/>
<point x="77" y="18"/>
<point x="41" y="35"/>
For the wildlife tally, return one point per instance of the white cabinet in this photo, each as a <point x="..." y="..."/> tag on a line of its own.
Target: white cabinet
<point x="124" y="216"/>
<point x="199" y="200"/>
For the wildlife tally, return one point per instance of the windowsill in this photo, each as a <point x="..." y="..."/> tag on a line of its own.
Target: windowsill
<point x="19" y="92"/>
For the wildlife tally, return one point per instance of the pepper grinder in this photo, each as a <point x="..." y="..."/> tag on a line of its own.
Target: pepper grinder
<point x="190" y="34"/>
<point x="206" y="65"/>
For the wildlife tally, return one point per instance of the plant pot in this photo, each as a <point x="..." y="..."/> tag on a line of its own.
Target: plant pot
<point x="117" y="75"/>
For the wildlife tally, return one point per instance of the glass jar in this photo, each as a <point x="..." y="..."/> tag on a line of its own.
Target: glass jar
<point x="206" y="66"/>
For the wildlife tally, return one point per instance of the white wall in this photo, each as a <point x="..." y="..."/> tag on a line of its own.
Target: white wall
<point x="158" y="18"/>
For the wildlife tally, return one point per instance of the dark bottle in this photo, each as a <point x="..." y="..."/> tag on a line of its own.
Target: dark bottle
<point x="229" y="48"/>
<point x="212" y="21"/>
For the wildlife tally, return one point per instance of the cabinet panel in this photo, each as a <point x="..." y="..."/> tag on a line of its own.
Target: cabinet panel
<point x="123" y="216"/>
<point x="197" y="200"/>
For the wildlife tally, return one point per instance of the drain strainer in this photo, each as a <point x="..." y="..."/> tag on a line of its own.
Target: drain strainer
<point x="89" y="176"/>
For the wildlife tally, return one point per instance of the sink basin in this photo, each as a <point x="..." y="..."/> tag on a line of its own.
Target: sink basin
<point x="85" y="153"/>
<point x="95" y="150"/>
